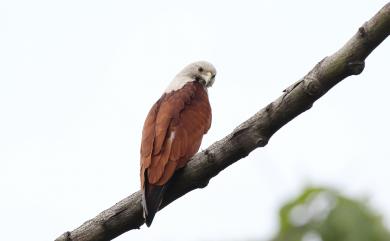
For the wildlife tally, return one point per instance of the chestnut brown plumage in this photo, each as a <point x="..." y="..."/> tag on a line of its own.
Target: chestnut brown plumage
<point x="173" y="132"/>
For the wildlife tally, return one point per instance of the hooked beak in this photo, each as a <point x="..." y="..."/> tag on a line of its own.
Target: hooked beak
<point x="210" y="79"/>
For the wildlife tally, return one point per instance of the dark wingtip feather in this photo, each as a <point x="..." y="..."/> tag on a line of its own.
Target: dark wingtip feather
<point x="151" y="200"/>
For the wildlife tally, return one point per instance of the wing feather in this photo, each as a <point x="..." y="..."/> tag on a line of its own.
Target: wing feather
<point x="174" y="130"/>
<point x="159" y="162"/>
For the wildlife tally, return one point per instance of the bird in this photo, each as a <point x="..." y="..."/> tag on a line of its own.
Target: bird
<point x="173" y="132"/>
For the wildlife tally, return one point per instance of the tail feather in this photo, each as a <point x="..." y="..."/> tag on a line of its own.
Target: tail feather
<point x="151" y="200"/>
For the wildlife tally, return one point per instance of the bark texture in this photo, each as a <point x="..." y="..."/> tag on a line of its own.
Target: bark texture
<point x="253" y="133"/>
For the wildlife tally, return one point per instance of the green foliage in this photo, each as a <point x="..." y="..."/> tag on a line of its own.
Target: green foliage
<point x="320" y="214"/>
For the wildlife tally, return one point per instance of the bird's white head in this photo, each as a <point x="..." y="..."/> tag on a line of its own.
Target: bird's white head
<point x="200" y="71"/>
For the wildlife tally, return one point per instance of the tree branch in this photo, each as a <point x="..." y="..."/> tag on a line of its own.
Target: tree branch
<point x="253" y="133"/>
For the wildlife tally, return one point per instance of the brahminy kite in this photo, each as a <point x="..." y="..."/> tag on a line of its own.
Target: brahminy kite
<point x="173" y="131"/>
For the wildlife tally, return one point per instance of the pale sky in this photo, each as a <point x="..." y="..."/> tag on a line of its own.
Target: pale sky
<point x="77" y="79"/>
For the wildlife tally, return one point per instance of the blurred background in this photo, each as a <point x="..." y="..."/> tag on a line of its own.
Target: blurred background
<point x="77" y="79"/>
<point x="324" y="214"/>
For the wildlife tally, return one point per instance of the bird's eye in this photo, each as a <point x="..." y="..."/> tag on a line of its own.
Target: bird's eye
<point x="200" y="69"/>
